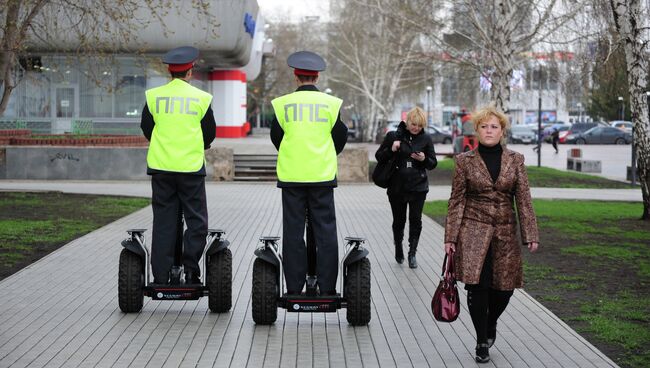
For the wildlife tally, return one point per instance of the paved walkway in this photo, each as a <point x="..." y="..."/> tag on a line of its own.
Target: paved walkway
<point x="62" y="310"/>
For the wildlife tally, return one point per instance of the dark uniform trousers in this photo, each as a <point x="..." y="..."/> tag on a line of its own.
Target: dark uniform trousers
<point x="172" y="192"/>
<point x="320" y="203"/>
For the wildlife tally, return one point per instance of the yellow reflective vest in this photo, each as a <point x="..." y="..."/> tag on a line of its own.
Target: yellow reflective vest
<point x="307" y="153"/>
<point x="177" y="139"/>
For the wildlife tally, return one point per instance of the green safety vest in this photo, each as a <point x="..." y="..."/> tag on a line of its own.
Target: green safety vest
<point x="177" y="139"/>
<point x="307" y="153"/>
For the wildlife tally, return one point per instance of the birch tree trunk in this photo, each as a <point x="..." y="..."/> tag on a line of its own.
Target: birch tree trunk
<point x="628" y="22"/>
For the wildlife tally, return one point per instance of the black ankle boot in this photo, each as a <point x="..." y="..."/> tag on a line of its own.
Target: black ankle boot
<point x="413" y="263"/>
<point x="399" y="253"/>
<point x="482" y="353"/>
<point x="413" y="248"/>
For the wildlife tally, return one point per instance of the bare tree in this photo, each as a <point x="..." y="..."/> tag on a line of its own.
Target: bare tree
<point x="276" y="77"/>
<point x="376" y="56"/>
<point x="628" y="21"/>
<point x="490" y="36"/>
<point x="94" y="27"/>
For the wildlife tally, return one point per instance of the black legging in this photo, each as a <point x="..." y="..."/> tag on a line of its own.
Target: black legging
<point x="484" y="303"/>
<point x="398" y="204"/>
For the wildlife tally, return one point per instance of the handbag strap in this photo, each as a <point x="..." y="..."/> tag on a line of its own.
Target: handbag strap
<point x="448" y="268"/>
<point x="444" y="265"/>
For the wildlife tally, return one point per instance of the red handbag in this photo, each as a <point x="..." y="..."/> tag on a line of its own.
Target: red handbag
<point x="445" y="304"/>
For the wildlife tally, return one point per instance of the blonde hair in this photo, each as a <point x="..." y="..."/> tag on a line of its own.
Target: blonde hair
<point x="486" y="112"/>
<point x="417" y="116"/>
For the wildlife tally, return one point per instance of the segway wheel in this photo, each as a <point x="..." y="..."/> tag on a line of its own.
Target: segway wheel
<point x="130" y="282"/>
<point x="265" y="293"/>
<point x="219" y="281"/>
<point x="357" y="292"/>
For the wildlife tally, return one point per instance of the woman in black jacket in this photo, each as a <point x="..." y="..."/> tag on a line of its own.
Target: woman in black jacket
<point x="409" y="184"/>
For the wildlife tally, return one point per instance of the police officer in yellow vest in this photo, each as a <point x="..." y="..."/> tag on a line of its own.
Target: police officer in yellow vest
<point x="308" y="133"/>
<point x="178" y="121"/>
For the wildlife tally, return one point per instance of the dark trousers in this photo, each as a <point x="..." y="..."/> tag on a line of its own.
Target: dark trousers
<point x="171" y="193"/>
<point x="320" y="203"/>
<point x="398" y="204"/>
<point x="555" y="142"/>
<point x="486" y="304"/>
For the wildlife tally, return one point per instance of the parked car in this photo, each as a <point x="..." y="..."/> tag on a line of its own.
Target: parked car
<point x="438" y="135"/>
<point x="384" y="128"/>
<point x="521" y="134"/>
<point x="625" y="126"/>
<point x="354" y="134"/>
<point x="576" y="129"/>
<point x="601" y="135"/>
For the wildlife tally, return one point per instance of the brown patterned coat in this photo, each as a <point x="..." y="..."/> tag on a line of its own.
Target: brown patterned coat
<point x="481" y="213"/>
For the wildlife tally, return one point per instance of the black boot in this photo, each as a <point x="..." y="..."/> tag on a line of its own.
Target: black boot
<point x="399" y="251"/>
<point x="498" y="301"/>
<point x="477" y="303"/>
<point x="413" y="248"/>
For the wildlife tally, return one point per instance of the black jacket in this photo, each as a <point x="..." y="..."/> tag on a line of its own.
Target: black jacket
<point x="411" y="175"/>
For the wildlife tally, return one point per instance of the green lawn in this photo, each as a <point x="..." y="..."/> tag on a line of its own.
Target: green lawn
<point x="593" y="271"/>
<point x="34" y="224"/>
<point x="547" y="177"/>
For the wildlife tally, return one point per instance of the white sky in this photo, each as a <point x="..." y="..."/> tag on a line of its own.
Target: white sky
<point x="293" y="10"/>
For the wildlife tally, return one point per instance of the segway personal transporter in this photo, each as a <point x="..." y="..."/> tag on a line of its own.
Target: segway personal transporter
<point x="268" y="283"/>
<point x="135" y="281"/>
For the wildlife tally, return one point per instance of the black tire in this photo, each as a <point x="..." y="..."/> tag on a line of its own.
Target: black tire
<point x="219" y="281"/>
<point x="130" y="282"/>
<point x="265" y="292"/>
<point x="580" y="141"/>
<point x="357" y="292"/>
<point x="446" y="141"/>
<point x="620" y="141"/>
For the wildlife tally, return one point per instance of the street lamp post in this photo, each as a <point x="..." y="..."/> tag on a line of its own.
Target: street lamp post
<point x="429" y="88"/>
<point x="539" y="120"/>
<point x="622" y="107"/>
<point x="579" y="104"/>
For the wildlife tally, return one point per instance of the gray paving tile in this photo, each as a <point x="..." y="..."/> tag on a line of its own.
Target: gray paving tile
<point x="71" y="319"/>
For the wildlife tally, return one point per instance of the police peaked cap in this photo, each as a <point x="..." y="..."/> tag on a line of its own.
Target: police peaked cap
<point x="181" y="59"/>
<point x="306" y="63"/>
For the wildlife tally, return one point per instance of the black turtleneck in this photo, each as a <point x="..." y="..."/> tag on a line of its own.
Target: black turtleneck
<point x="492" y="158"/>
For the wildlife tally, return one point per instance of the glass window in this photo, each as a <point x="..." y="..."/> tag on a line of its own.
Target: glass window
<point x="95" y="97"/>
<point x="130" y="86"/>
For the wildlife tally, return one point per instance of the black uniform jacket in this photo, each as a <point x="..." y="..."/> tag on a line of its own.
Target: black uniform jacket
<point x="339" y="136"/>
<point x="208" y="127"/>
<point x="411" y="175"/>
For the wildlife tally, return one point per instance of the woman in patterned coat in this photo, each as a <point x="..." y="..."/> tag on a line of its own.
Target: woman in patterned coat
<point x="480" y="230"/>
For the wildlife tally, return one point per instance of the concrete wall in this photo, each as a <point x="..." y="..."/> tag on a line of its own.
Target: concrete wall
<point x="130" y="163"/>
<point x="94" y="163"/>
<point x="353" y="165"/>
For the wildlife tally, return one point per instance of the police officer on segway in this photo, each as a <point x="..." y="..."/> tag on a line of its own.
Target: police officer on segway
<point x="178" y="121"/>
<point x="308" y="133"/>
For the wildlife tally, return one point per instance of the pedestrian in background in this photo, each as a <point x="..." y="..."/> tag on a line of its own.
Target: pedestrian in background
<point x="480" y="231"/>
<point x="555" y="138"/>
<point x="409" y="184"/>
